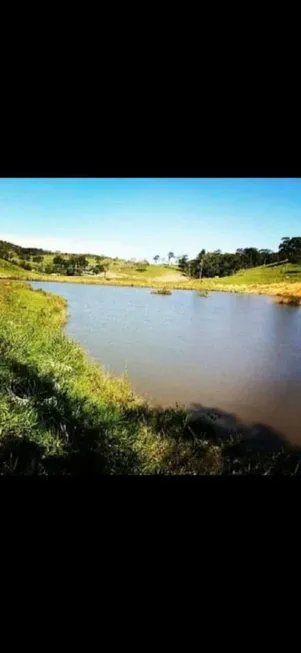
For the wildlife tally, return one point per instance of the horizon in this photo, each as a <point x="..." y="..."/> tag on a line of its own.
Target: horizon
<point x="139" y="218"/>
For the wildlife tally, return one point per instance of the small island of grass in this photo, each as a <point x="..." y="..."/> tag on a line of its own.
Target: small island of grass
<point x="161" y="291"/>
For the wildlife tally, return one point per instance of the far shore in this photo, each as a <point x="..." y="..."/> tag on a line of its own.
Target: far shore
<point x="275" y="289"/>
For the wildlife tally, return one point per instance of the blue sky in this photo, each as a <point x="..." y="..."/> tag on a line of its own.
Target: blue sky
<point x="143" y="217"/>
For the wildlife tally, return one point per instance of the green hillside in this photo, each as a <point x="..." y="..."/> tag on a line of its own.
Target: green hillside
<point x="280" y="280"/>
<point x="10" y="271"/>
<point x="18" y="262"/>
<point x="263" y="275"/>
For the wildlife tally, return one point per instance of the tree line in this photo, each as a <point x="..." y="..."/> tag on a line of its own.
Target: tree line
<point x="218" y="264"/>
<point x="9" y="250"/>
<point x="76" y="265"/>
<point x="67" y="265"/>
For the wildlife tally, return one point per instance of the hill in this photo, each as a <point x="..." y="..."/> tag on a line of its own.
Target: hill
<point x="11" y="249"/>
<point x="287" y="273"/>
<point x="9" y="270"/>
<point x="26" y="263"/>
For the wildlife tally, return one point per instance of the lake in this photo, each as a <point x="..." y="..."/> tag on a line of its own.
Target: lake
<point x="237" y="353"/>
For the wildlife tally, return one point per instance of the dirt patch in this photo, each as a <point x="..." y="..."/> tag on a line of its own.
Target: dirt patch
<point x="171" y="277"/>
<point x="115" y="275"/>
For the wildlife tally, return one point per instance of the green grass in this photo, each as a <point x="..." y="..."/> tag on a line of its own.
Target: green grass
<point x="10" y="271"/>
<point x="287" y="273"/>
<point x="155" y="271"/>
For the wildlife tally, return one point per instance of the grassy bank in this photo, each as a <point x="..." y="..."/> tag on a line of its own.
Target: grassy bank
<point x="61" y="414"/>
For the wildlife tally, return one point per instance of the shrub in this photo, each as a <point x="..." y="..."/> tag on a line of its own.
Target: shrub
<point x="25" y="266"/>
<point x="49" y="269"/>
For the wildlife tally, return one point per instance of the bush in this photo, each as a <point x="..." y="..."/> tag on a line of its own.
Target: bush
<point x="49" y="269"/>
<point x="98" y="269"/>
<point x="58" y="260"/>
<point x="25" y="266"/>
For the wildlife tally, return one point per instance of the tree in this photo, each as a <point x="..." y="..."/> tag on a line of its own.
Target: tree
<point x="38" y="258"/>
<point x="24" y="256"/>
<point x="25" y="265"/>
<point x="265" y="255"/>
<point x="71" y="265"/>
<point x="49" y="268"/>
<point x="285" y="247"/>
<point x="195" y="266"/>
<point x="290" y="248"/>
<point x="57" y="260"/>
<point x="98" y="269"/>
<point x="251" y="256"/>
<point x="70" y="271"/>
<point x="200" y="262"/>
<point x="101" y="267"/>
<point x="156" y="258"/>
<point x="170" y="256"/>
<point x="81" y="261"/>
<point x="105" y="267"/>
<point x="183" y="263"/>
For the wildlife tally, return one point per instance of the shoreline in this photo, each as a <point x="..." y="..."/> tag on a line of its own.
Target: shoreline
<point x="285" y="290"/>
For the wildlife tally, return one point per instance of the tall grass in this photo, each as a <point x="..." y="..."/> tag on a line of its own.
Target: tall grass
<point x="288" y="300"/>
<point x="161" y="291"/>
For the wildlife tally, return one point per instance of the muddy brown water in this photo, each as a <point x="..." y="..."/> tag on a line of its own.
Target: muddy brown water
<point x="240" y="354"/>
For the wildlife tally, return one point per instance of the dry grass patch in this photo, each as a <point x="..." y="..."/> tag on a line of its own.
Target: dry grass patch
<point x="288" y="300"/>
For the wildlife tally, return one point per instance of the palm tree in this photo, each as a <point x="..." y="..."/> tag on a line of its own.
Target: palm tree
<point x="156" y="258"/>
<point x="170" y="256"/>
